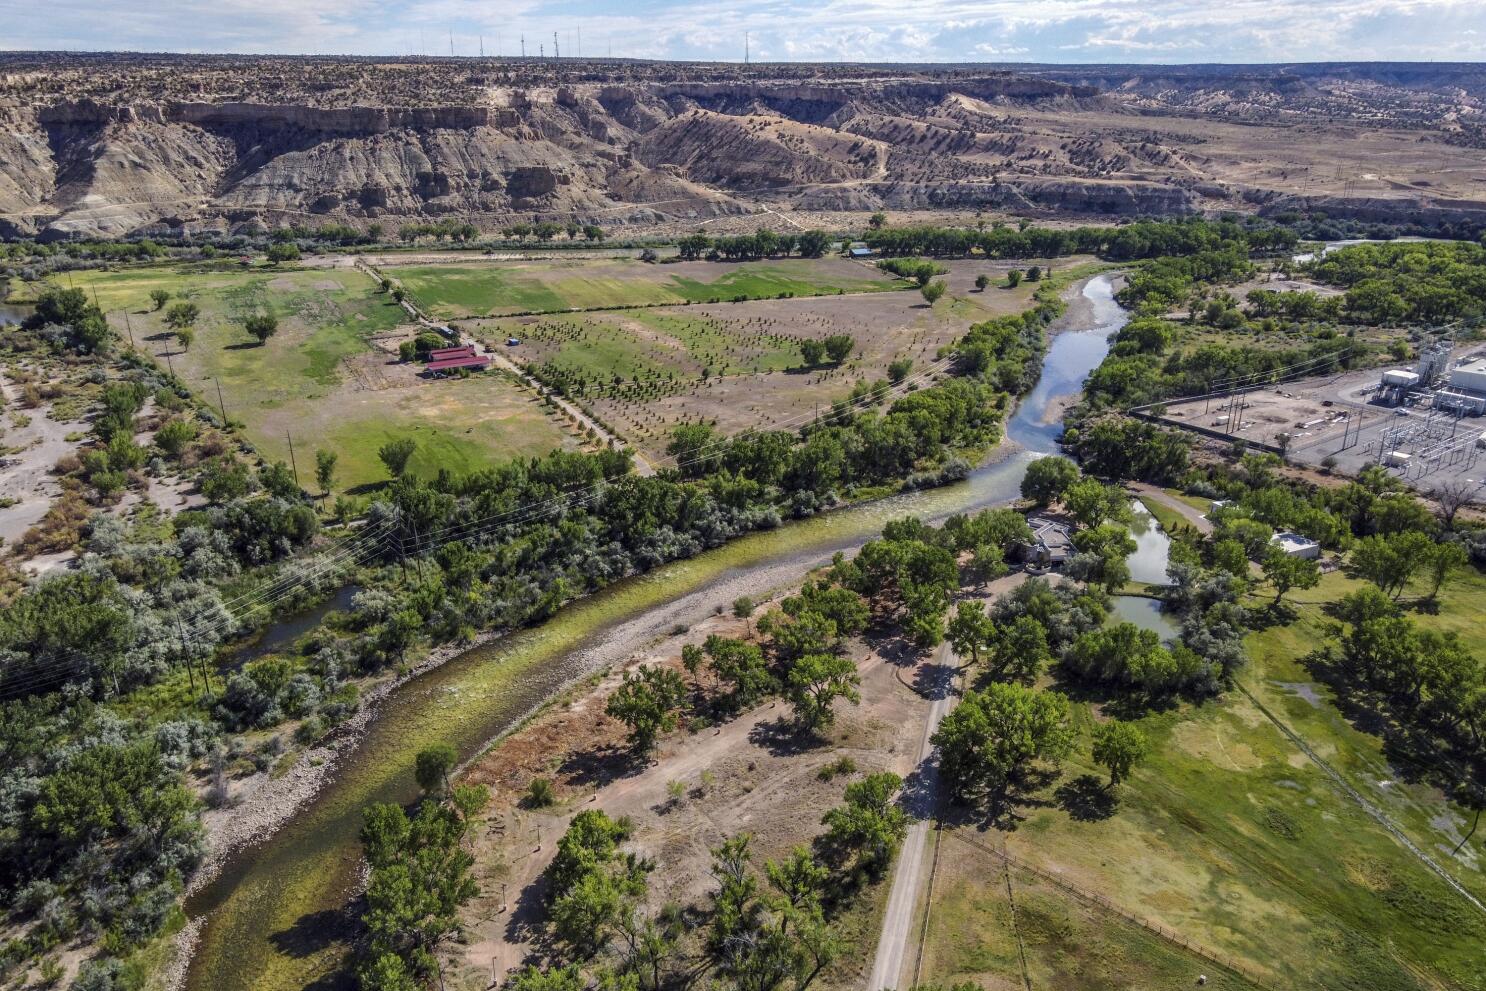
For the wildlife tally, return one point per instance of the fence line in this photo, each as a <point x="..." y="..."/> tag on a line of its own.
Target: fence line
<point x="1100" y="901"/>
<point x="1372" y="810"/>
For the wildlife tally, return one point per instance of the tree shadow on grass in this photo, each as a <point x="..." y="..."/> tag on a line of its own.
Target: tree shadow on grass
<point x="1085" y="799"/>
<point x="242" y="346"/>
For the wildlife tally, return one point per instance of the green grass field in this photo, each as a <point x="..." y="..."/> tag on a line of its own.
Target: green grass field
<point x="1232" y="837"/>
<point x="501" y="288"/>
<point x="301" y="383"/>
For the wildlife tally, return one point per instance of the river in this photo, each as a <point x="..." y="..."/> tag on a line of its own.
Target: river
<point x="274" y="916"/>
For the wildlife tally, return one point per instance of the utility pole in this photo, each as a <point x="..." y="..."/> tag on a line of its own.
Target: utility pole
<point x="451" y="42"/>
<point x="523" y="46"/>
<point x="293" y="466"/>
<point x="221" y="402"/>
<point x="556" y="52"/>
<point x="745" y="48"/>
<point x="482" y="46"/>
<point x="129" y="325"/>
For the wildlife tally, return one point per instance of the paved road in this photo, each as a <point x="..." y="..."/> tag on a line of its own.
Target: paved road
<point x="909" y="873"/>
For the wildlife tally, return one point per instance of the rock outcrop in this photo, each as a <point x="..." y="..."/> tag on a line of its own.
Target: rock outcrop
<point x="123" y="144"/>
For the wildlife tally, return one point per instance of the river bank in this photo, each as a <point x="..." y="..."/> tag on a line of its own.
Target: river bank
<point x="301" y="862"/>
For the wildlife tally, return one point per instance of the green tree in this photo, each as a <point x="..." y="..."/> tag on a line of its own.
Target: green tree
<point x="395" y="455"/>
<point x="877" y="221"/>
<point x="993" y="736"/>
<point x="1286" y="571"/>
<point x="646" y="701"/>
<point x="1020" y="651"/>
<point x="1390" y="561"/>
<point x="1119" y="747"/>
<point x="813" y="352"/>
<point x="283" y="251"/>
<point x="839" y="347"/>
<point x="174" y="435"/>
<point x="898" y="370"/>
<point x="159" y="297"/>
<point x="982" y="281"/>
<point x="868" y="825"/>
<point x="813" y="243"/>
<point x="261" y="326"/>
<point x="1047" y="479"/>
<point x="1090" y="502"/>
<point x="971" y="630"/>
<point x="181" y="315"/>
<point x="818" y="680"/>
<point x="1013" y="278"/>
<point x="325" y="462"/>
<point x="184" y="337"/>
<point x="933" y="291"/>
<point x="432" y="768"/>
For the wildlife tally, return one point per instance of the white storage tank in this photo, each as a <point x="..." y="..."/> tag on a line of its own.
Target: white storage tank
<point x="1400" y="377"/>
<point x="1469" y="376"/>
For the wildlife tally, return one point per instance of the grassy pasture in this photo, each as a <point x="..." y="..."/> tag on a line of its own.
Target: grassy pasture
<point x="1232" y="837"/>
<point x="459" y="291"/>
<point x="321" y="379"/>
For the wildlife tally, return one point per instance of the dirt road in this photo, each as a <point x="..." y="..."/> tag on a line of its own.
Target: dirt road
<point x="922" y="794"/>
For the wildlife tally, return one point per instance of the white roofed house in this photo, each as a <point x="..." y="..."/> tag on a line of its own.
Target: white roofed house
<point x="1296" y="545"/>
<point x="1051" y="544"/>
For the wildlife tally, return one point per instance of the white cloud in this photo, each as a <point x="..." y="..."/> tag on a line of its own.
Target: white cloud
<point x="856" y="30"/>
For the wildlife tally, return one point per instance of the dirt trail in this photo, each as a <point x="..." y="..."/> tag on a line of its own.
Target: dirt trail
<point x="27" y="474"/>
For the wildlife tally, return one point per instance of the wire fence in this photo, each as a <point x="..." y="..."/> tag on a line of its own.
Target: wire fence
<point x="1101" y="902"/>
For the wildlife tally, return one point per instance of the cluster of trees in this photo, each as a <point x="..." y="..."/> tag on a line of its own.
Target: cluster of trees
<point x="910" y="575"/>
<point x="69" y="321"/>
<point x="419" y="876"/>
<point x="1408" y="282"/>
<point x="547" y="230"/>
<point x="766" y="930"/>
<point x="837" y="348"/>
<point x="1427" y="684"/>
<point x="98" y="830"/>
<point x="1007" y="351"/>
<point x="762" y="244"/>
<point x="1138" y="240"/>
<point x="449" y="229"/>
<point x="802" y="657"/>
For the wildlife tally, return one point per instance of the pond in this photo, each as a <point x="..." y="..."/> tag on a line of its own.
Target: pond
<point x="283" y="632"/>
<point x="1152" y="547"/>
<point x="1145" y="613"/>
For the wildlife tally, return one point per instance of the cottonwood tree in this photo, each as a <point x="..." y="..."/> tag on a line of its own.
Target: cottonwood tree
<point x="1451" y="498"/>
<point x="1048" y="478"/>
<point x="395" y="454"/>
<point x="1119" y="746"/>
<point x="992" y="737"/>
<point x="868" y="825"/>
<point x="261" y="326"/>
<point x="933" y="292"/>
<point x="1390" y="561"/>
<point x="325" y="462"/>
<point x="159" y="297"/>
<point x="646" y="702"/>
<point x="970" y="630"/>
<point x="1287" y="571"/>
<point x="1019" y="651"/>
<point x="818" y="680"/>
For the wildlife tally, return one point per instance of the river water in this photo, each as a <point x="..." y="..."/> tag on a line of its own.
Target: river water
<point x="274" y="915"/>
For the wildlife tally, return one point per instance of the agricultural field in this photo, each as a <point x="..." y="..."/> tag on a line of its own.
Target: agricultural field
<point x="1230" y="838"/>
<point x="739" y="365"/>
<point x="329" y="378"/>
<point x="483" y="289"/>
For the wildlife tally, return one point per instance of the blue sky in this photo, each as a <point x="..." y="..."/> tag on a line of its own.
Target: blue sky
<point x="784" y="30"/>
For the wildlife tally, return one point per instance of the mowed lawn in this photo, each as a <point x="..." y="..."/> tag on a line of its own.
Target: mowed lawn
<point x="502" y="288"/>
<point x="307" y="382"/>
<point x="1230" y="836"/>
